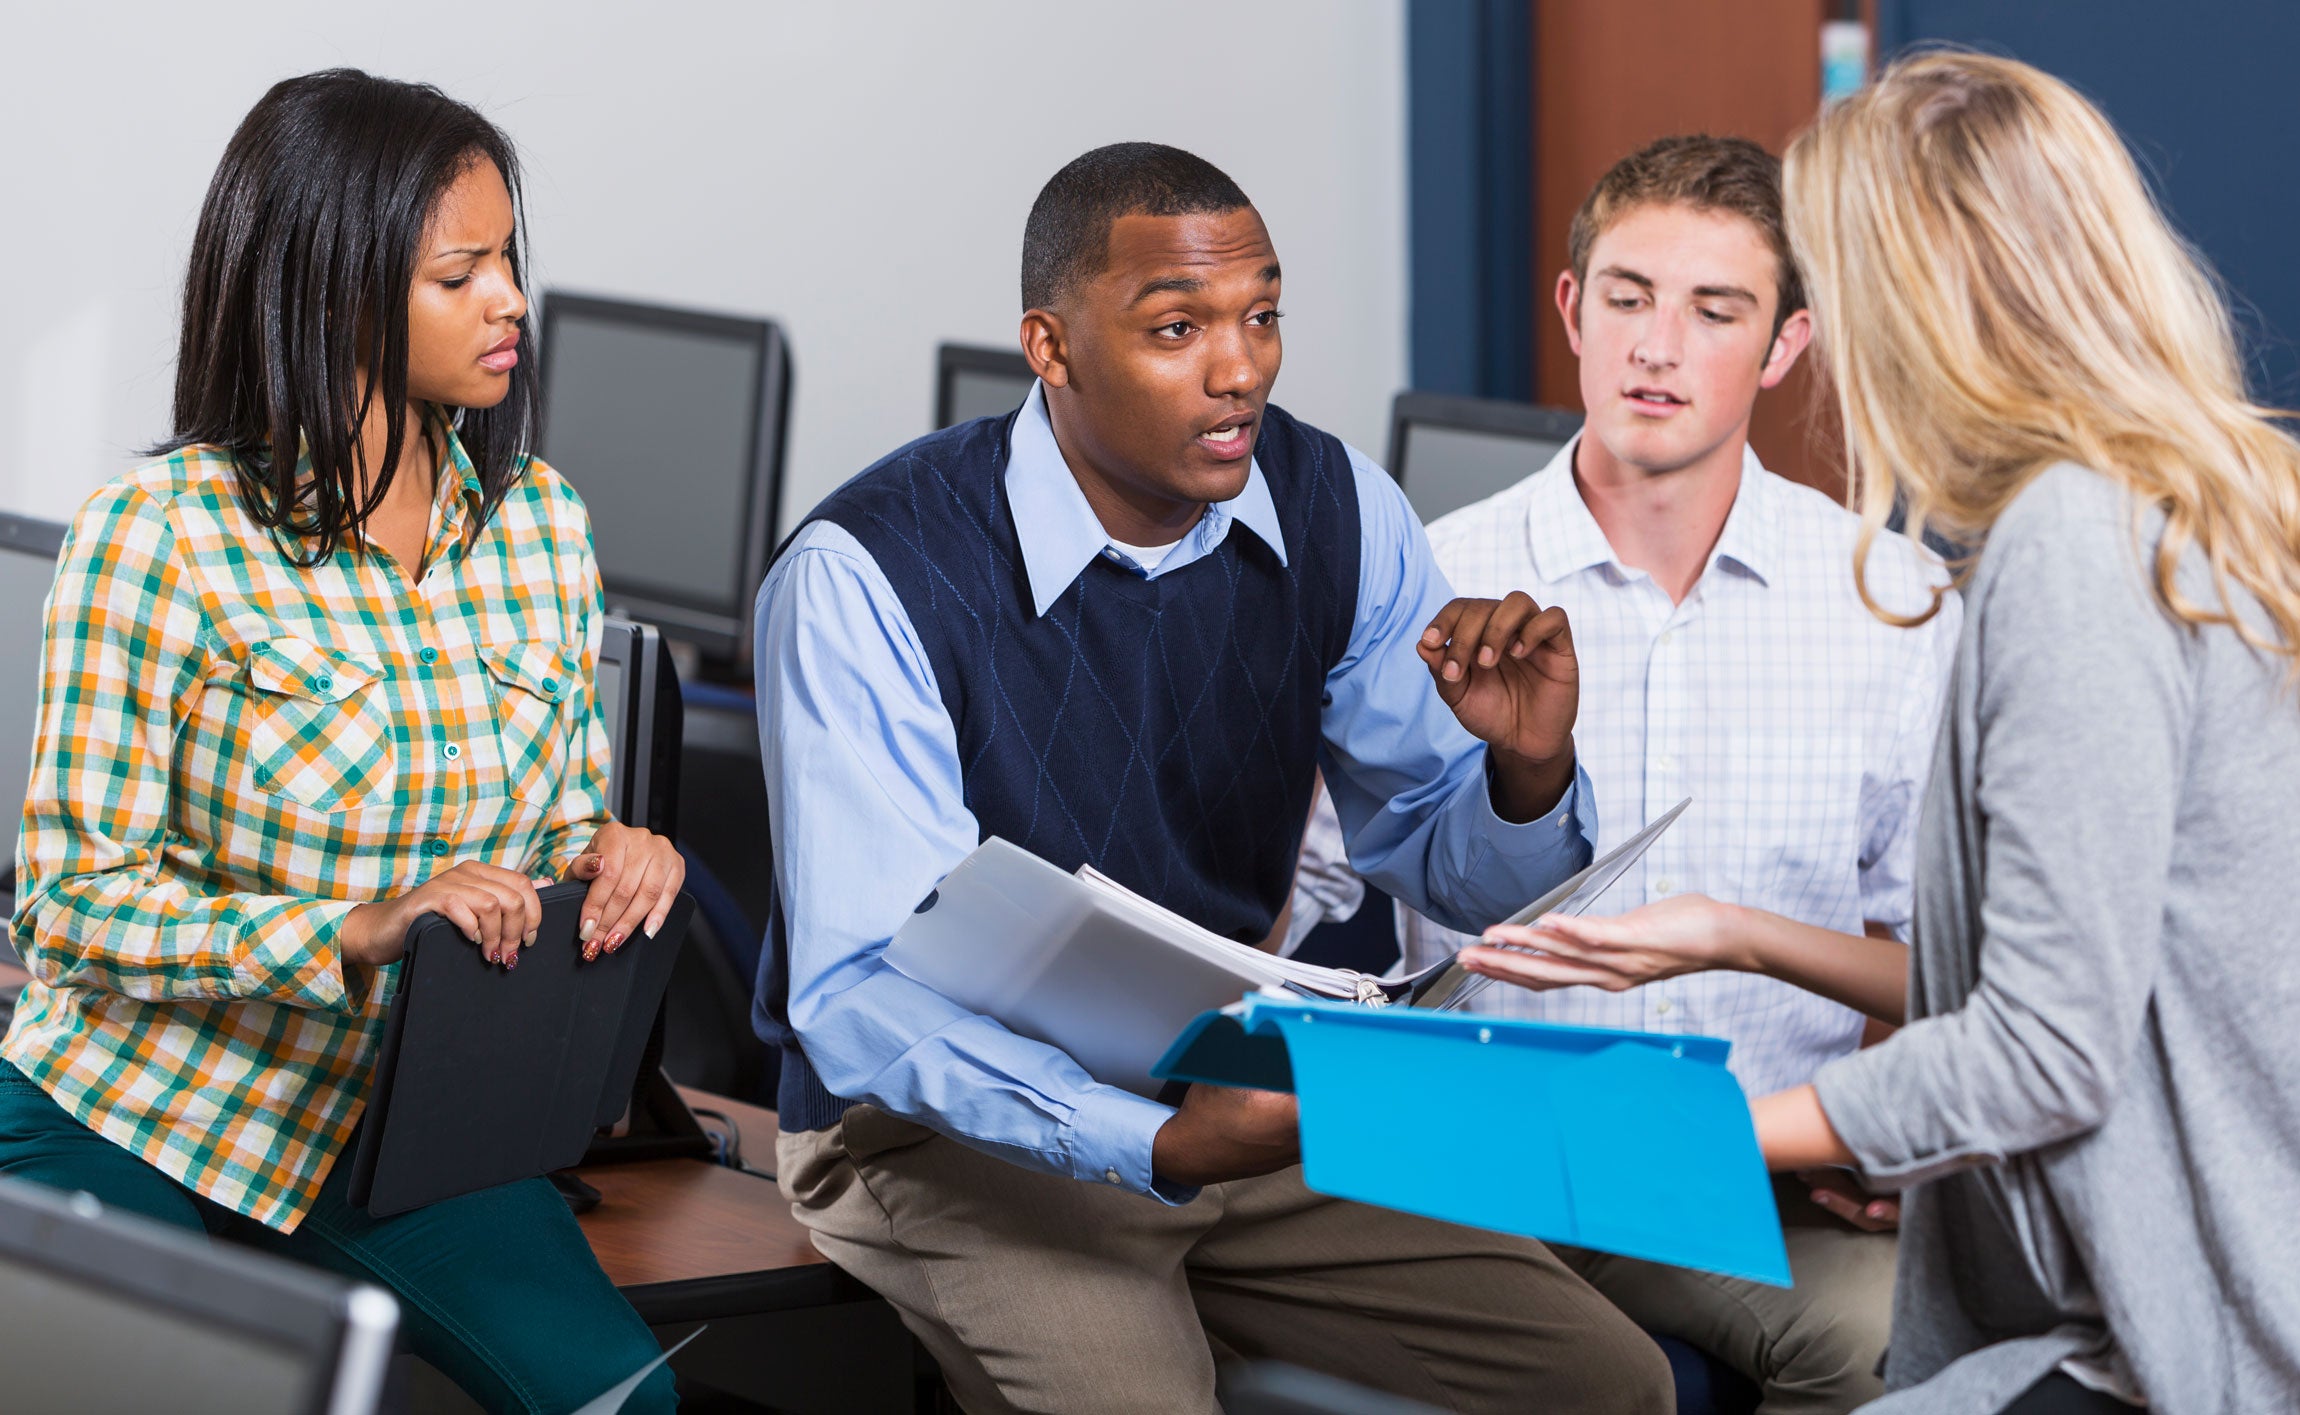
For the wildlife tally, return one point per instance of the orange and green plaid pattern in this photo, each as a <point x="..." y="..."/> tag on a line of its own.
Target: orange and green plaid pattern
<point x="232" y="753"/>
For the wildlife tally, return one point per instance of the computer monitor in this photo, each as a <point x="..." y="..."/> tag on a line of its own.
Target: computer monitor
<point x="1448" y="452"/>
<point x="27" y="566"/>
<point x="671" y="423"/>
<point x="109" y="1311"/>
<point x="974" y="382"/>
<point x="638" y="690"/>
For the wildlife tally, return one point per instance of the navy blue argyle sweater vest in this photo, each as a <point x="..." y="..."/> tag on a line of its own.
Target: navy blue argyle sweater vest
<point x="1163" y="730"/>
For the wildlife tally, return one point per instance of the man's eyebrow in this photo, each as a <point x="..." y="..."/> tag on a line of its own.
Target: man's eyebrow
<point x="1168" y="285"/>
<point x="1189" y="285"/>
<point x="1622" y="273"/>
<point x="1723" y="292"/>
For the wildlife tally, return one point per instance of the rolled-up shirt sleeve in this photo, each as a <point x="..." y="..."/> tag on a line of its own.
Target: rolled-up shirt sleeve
<point x="1409" y="783"/>
<point x="864" y="787"/>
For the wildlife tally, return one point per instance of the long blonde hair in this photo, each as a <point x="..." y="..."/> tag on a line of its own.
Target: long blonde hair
<point x="1996" y="292"/>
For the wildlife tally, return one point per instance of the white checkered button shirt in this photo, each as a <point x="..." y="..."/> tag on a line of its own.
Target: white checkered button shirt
<point x="1799" y="723"/>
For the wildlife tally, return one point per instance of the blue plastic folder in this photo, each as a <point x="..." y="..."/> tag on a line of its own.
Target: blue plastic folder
<point x="1627" y="1142"/>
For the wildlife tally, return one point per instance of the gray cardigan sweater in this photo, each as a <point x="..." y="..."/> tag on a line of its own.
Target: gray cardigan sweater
<point x="2096" y="1106"/>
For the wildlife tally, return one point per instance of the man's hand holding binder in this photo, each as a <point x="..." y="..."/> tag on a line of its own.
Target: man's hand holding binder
<point x="1220" y="1133"/>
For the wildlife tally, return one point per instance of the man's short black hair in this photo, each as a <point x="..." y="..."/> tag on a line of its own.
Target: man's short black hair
<point x="1068" y="233"/>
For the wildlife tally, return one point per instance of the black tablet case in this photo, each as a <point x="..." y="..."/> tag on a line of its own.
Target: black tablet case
<point x="488" y="1075"/>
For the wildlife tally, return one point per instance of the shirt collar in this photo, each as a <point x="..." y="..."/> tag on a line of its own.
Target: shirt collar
<point x="1058" y="531"/>
<point x="460" y="491"/>
<point x="1565" y="539"/>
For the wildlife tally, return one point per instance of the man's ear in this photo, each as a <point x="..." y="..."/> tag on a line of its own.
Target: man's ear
<point x="1796" y="333"/>
<point x="1569" y="308"/>
<point x="1046" y="344"/>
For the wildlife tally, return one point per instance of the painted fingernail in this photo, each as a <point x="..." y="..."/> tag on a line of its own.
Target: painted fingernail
<point x="510" y="962"/>
<point x="529" y="939"/>
<point x="614" y="940"/>
<point x="590" y="927"/>
<point x="590" y="951"/>
<point x="650" y="929"/>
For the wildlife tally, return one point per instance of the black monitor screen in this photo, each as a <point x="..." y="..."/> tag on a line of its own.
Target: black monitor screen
<point x="72" y="1345"/>
<point x="1447" y="468"/>
<point x="25" y="574"/>
<point x="655" y="427"/>
<point x="607" y="687"/>
<point x="979" y="393"/>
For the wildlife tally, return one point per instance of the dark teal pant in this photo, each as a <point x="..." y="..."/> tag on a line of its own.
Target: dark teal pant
<point x="497" y="1289"/>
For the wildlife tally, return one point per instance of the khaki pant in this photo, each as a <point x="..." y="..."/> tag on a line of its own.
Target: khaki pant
<point x="1813" y="1348"/>
<point x="1038" y="1293"/>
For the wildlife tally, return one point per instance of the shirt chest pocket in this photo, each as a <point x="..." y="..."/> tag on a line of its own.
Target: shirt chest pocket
<point x="320" y="730"/>
<point x="1798" y="846"/>
<point x="531" y="685"/>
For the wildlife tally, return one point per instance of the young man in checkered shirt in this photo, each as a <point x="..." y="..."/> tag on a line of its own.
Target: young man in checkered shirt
<point x="1725" y="654"/>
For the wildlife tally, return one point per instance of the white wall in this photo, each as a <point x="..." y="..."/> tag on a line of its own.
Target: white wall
<point x="859" y="171"/>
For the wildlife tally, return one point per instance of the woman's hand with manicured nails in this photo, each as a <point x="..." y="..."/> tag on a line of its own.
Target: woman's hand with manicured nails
<point x="1687" y="933"/>
<point x="635" y="877"/>
<point x="495" y="908"/>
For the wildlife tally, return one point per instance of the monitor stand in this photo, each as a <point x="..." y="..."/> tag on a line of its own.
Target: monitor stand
<point x="657" y="1125"/>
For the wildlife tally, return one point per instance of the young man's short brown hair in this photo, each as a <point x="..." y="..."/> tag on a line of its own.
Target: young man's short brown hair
<point x="1709" y="174"/>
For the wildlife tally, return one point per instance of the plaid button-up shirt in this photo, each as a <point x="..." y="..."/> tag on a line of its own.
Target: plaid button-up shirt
<point x="232" y="753"/>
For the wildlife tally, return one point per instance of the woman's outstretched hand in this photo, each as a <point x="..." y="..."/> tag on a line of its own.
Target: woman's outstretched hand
<point x="1688" y="933"/>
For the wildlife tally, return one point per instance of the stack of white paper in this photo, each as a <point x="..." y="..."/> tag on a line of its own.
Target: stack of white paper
<point x="1084" y="964"/>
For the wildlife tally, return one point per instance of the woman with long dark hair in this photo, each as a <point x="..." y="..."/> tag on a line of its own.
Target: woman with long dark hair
<point x="322" y="668"/>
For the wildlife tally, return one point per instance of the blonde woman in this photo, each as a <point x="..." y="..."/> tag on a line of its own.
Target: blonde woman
<point x="2093" y="1112"/>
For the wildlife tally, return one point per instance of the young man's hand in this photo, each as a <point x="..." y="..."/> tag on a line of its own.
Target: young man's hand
<point x="1221" y="1133"/>
<point x="1841" y="1194"/>
<point x="1506" y="668"/>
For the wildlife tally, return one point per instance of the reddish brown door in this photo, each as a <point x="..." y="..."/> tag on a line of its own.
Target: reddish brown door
<point x="1612" y="75"/>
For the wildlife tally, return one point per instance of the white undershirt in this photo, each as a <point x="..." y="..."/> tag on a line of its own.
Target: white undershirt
<point x="1149" y="557"/>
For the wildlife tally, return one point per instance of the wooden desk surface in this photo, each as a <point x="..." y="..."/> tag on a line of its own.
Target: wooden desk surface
<point x="683" y="1220"/>
<point x="664" y="1221"/>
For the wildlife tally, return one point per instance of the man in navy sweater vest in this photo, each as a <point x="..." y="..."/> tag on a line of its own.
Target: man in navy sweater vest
<point x="1126" y="626"/>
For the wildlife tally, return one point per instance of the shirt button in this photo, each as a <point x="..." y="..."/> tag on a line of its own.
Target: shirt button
<point x="435" y="847"/>
<point x="550" y="685"/>
<point x="260" y="647"/>
<point x="323" y="683"/>
<point x="451" y="751"/>
<point x="1666" y="636"/>
<point x="1665" y="885"/>
<point x="1111" y="1175"/>
<point x="1663" y="1006"/>
<point x="1666" y="762"/>
<point x="428" y="656"/>
<point x="1564" y="822"/>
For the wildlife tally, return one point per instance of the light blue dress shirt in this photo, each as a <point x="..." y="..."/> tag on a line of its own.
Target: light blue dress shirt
<point x="865" y="790"/>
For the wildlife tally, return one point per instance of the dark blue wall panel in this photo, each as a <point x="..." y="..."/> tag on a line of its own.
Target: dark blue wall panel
<point x="2208" y="97"/>
<point x="1470" y="175"/>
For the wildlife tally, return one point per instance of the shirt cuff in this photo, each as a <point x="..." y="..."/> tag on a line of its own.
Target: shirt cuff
<point x="1111" y="1132"/>
<point x="289" y="955"/>
<point x="1576" y="810"/>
